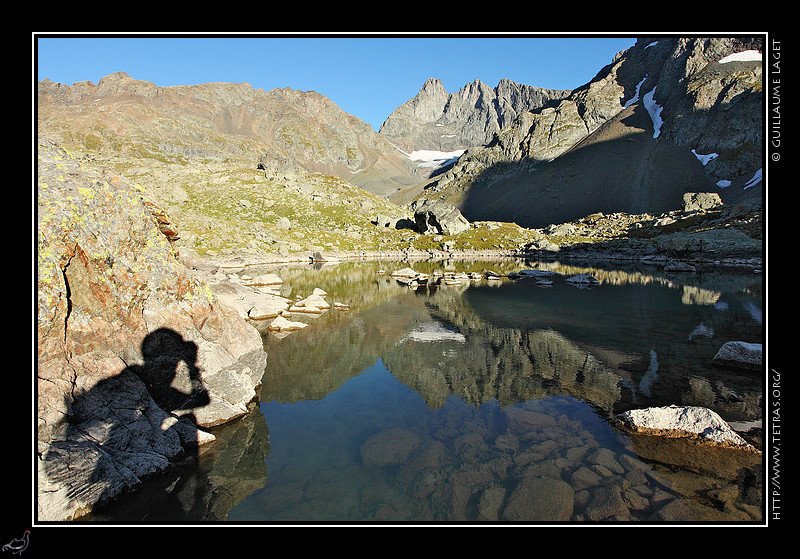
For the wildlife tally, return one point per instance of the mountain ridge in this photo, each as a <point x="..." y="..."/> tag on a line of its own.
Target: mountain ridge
<point x="533" y="156"/>
<point x="295" y="129"/>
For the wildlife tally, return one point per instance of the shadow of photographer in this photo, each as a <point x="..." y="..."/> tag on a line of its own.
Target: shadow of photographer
<point x="163" y="351"/>
<point x="130" y="426"/>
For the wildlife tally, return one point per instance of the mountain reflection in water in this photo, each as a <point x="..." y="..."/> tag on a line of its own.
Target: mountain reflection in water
<point x="492" y="401"/>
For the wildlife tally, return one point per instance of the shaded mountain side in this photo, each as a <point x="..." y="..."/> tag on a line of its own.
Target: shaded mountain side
<point x="619" y="168"/>
<point x="667" y="116"/>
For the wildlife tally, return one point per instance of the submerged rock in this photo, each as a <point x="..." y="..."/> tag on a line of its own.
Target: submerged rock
<point x="389" y="447"/>
<point x="540" y="499"/>
<point x="739" y="354"/>
<point x="606" y="503"/>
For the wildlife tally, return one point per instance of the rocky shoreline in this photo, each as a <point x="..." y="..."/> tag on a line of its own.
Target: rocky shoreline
<point x="668" y="260"/>
<point x="703" y="233"/>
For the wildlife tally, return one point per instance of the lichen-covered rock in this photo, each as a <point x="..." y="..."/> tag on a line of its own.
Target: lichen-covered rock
<point x="119" y="317"/>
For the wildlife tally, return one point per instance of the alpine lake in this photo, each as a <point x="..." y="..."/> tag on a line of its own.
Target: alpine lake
<point x="485" y="401"/>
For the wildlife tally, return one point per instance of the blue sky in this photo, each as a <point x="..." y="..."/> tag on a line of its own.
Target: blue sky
<point x="367" y="76"/>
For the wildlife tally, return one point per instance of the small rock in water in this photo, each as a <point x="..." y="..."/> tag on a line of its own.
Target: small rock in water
<point x="583" y="278"/>
<point x="315" y="304"/>
<point x="679" y="267"/>
<point x="537" y="273"/>
<point x="280" y="324"/>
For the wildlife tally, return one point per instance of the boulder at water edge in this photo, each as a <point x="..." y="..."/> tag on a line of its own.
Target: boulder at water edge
<point x="683" y="421"/>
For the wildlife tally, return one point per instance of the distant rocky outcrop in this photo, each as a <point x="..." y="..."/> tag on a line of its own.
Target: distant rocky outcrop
<point x="699" y="201"/>
<point x="437" y="217"/>
<point x="742" y="355"/>
<point x="665" y="117"/>
<point x="136" y="359"/>
<point x="437" y="120"/>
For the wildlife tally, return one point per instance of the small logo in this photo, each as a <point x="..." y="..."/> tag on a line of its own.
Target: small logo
<point x="18" y="545"/>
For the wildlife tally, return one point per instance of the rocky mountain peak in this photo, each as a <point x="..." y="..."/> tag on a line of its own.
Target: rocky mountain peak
<point x="437" y="120"/>
<point x="434" y="85"/>
<point x="115" y="77"/>
<point x="427" y="105"/>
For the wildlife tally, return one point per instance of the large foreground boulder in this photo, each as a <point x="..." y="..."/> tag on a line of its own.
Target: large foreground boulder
<point x="136" y="358"/>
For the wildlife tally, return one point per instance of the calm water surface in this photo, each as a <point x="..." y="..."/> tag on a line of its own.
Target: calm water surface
<point x="491" y="402"/>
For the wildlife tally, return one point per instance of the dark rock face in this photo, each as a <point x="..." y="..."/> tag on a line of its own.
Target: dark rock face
<point x="437" y="217"/>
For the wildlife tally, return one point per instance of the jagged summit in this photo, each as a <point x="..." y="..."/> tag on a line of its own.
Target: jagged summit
<point x="437" y="120"/>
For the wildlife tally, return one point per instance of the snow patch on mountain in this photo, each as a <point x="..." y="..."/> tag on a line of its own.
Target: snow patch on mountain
<point x="654" y="110"/>
<point x="432" y="159"/>
<point x="744" y="56"/>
